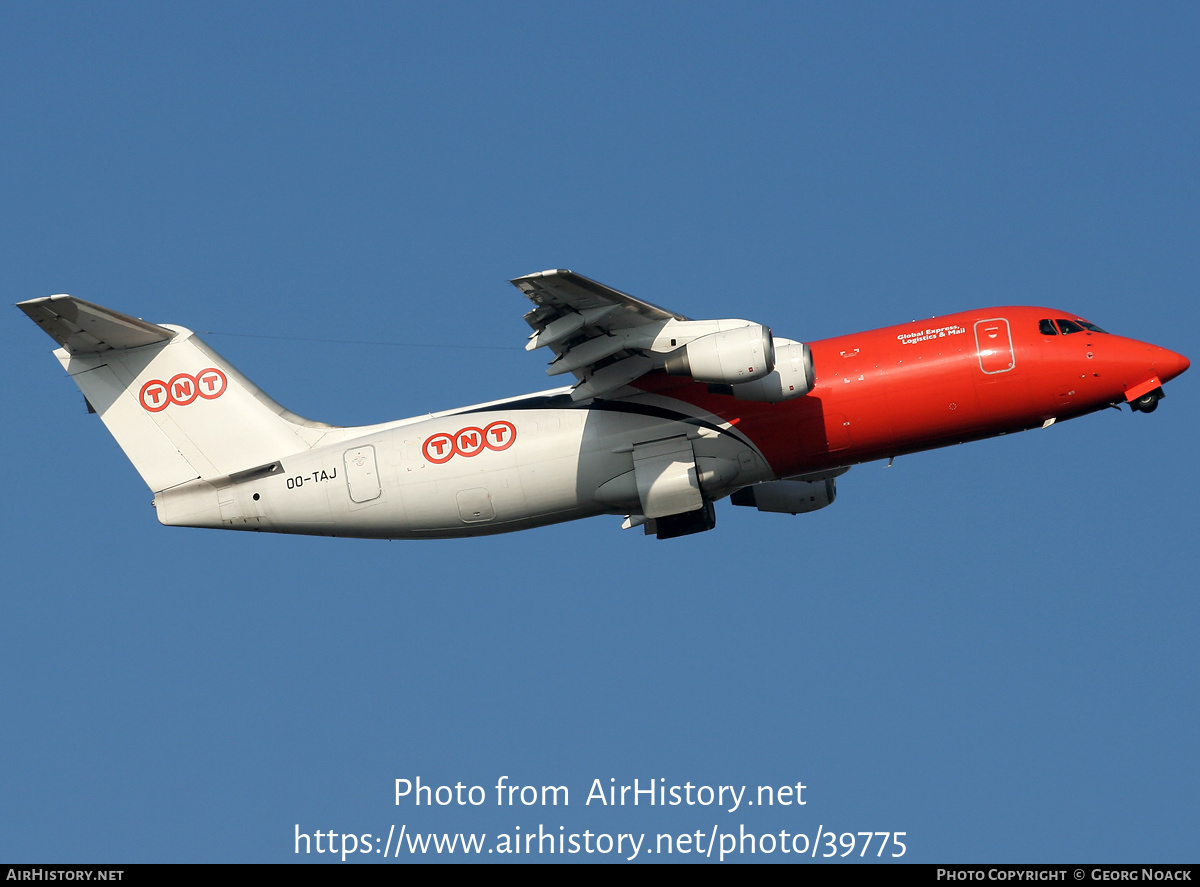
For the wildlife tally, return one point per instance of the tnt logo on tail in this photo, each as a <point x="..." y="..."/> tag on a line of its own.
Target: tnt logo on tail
<point x="183" y="389"/>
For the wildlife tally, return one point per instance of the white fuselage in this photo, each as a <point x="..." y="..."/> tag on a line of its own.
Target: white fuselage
<point x="473" y="472"/>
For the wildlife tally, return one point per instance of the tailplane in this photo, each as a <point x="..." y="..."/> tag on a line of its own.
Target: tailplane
<point x="177" y="408"/>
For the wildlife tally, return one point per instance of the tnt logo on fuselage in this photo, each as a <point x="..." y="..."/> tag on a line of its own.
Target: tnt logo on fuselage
<point x="468" y="442"/>
<point x="183" y="389"/>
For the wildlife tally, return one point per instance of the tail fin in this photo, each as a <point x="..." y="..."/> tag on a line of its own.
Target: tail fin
<point x="176" y="407"/>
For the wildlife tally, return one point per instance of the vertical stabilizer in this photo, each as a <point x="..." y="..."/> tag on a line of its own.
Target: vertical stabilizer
<point x="177" y="408"/>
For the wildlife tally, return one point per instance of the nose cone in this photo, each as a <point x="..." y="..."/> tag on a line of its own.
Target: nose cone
<point x="1168" y="364"/>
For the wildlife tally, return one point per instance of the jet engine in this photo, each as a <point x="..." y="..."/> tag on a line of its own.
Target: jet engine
<point x="726" y="358"/>
<point x="792" y="377"/>
<point x="788" y="496"/>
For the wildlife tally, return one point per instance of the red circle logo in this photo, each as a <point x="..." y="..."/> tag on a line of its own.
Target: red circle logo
<point x="438" y="448"/>
<point x="469" y="442"/>
<point x="500" y="435"/>
<point x="211" y="383"/>
<point x="154" y="396"/>
<point x="182" y="389"/>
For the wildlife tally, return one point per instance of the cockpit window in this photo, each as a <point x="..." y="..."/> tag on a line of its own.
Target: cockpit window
<point x="1091" y="326"/>
<point x="1069" y="326"/>
<point x="1047" y="328"/>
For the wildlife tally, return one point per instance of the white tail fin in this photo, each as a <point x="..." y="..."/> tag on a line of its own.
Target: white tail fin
<point x="176" y="407"/>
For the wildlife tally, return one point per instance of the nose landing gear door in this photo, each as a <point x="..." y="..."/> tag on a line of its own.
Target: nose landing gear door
<point x="667" y="481"/>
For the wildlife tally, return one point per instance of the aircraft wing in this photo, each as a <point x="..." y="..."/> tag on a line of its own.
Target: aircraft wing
<point x="601" y="335"/>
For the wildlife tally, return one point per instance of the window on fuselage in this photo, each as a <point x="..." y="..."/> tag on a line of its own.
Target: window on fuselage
<point x="1075" y="326"/>
<point x="1047" y="328"/>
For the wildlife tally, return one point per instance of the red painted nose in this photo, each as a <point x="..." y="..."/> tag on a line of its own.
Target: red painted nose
<point x="1168" y="364"/>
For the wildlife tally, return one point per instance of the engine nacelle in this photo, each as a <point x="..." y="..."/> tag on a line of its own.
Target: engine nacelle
<point x="788" y="496"/>
<point x="726" y="358"/>
<point x="792" y="377"/>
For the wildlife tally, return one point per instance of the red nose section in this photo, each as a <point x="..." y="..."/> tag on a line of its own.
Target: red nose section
<point x="1168" y="364"/>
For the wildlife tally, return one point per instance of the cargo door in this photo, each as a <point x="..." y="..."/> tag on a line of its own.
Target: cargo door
<point x="994" y="341"/>
<point x="362" y="474"/>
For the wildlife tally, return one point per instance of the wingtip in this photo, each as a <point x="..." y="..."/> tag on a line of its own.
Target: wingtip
<point x="550" y="272"/>
<point x="41" y="300"/>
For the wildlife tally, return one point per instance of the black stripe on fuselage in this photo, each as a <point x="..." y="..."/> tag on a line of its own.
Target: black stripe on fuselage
<point x="564" y="402"/>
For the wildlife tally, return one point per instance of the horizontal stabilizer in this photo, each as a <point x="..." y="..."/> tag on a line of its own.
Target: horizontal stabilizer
<point x="84" y="328"/>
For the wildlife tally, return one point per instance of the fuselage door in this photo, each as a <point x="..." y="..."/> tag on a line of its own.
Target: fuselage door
<point x="994" y="341"/>
<point x="362" y="475"/>
<point x="475" y="505"/>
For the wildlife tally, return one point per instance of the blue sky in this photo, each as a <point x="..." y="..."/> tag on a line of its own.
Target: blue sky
<point x="990" y="648"/>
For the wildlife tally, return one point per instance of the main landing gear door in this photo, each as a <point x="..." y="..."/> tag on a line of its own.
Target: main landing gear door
<point x="667" y="482"/>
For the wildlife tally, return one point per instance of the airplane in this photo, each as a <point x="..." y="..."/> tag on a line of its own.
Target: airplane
<point x="665" y="416"/>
